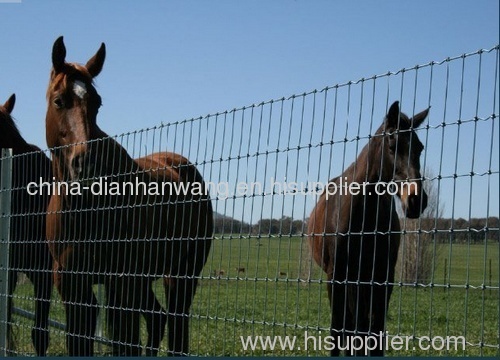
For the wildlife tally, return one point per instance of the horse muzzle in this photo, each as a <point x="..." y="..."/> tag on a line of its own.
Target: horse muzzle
<point x="82" y="168"/>
<point x="414" y="205"/>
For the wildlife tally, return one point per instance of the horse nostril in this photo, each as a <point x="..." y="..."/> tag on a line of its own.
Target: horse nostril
<point x="77" y="165"/>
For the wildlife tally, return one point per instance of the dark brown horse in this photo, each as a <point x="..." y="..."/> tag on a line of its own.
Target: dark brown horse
<point x="123" y="240"/>
<point x="29" y="253"/>
<point x="355" y="237"/>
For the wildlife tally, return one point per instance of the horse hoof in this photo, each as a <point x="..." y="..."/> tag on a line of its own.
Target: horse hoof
<point x="151" y="352"/>
<point x="40" y="338"/>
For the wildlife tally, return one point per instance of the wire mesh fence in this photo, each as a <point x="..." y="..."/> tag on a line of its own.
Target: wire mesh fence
<point x="265" y="167"/>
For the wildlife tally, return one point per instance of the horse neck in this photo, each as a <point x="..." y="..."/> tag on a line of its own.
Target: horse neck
<point x="26" y="163"/>
<point x="369" y="166"/>
<point x="122" y="162"/>
<point x="30" y="165"/>
<point x="21" y="146"/>
<point x="119" y="162"/>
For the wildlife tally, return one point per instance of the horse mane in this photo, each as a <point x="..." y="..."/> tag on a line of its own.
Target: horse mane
<point x="368" y="158"/>
<point x="11" y="123"/>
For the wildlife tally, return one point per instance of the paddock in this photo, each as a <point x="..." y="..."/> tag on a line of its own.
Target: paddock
<point x="266" y="165"/>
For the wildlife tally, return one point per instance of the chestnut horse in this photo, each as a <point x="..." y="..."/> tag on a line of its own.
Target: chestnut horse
<point x="354" y="235"/>
<point x="28" y="249"/>
<point x="124" y="240"/>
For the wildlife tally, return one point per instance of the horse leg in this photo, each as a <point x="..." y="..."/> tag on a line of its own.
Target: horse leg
<point x="362" y="307"/>
<point x="333" y="325"/>
<point x="112" y="316"/>
<point x="81" y="313"/>
<point x="338" y="293"/>
<point x="339" y="320"/>
<point x="180" y="294"/>
<point x="156" y="320"/>
<point x="381" y="297"/>
<point x="353" y="317"/>
<point x="123" y="314"/>
<point x="42" y="283"/>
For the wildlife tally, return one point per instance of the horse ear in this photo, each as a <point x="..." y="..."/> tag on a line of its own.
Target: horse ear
<point x="9" y="104"/>
<point x="393" y="116"/>
<point x="419" y="118"/>
<point x="94" y="65"/>
<point x="58" y="54"/>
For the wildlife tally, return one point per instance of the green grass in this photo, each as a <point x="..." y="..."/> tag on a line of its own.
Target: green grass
<point x="274" y="297"/>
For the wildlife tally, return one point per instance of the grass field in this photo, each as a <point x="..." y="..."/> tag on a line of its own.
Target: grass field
<point x="279" y="293"/>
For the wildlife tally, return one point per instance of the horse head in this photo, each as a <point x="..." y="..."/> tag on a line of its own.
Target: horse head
<point x="10" y="137"/>
<point x="401" y="158"/>
<point x="73" y="104"/>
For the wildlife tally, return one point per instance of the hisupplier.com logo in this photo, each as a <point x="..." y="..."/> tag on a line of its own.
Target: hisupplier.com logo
<point x="353" y="344"/>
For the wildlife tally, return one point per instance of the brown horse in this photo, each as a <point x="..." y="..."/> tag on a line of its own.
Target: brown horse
<point x="125" y="240"/>
<point x="354" y="235"/>
<point x="28" y="249"/>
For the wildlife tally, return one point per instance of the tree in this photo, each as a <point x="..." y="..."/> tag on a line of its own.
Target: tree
<point x="419" y="247"/>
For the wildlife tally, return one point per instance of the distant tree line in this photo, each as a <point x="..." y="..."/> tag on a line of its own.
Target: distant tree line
<point x="284" y="226"/>
<point x="475" y="230"/>
<point x="227" y="225"/>
<point x="441" y="230"/>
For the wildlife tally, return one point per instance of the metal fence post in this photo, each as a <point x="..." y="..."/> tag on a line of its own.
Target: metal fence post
<point x="5" y="203"/>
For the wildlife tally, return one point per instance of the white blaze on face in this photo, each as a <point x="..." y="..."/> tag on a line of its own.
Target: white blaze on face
<point x="79" y="89"/>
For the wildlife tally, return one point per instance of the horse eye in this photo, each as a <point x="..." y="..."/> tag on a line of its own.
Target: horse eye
<point x="58" y="103"/>
<point x="392" y="145"/>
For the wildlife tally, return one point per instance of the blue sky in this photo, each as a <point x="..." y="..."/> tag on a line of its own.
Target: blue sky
<point x="174" y="60"/>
